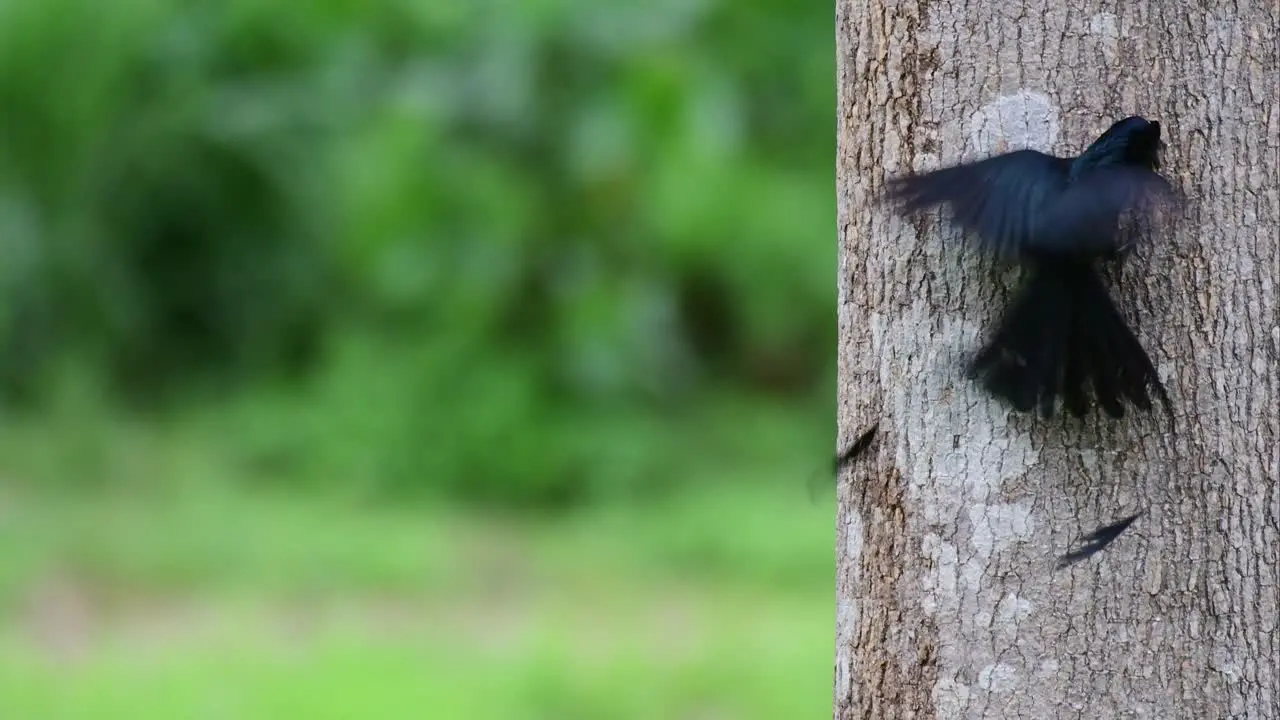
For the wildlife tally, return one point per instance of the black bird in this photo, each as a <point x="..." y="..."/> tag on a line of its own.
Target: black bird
<point x="858" y="447"/>
<point x="1056" y="217"/>
<point x="1094" y="542"/>
<point x="844" y="457"/>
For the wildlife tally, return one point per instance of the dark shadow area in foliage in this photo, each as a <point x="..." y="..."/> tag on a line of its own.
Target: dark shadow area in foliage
<point x="215" y="288"/>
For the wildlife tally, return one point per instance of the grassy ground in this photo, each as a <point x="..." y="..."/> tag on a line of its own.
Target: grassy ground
<point x="198" y="603"/>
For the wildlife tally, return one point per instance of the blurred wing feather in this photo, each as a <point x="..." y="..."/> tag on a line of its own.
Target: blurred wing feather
<point x="1027" y="200"/>
<point x="999" y="199"/>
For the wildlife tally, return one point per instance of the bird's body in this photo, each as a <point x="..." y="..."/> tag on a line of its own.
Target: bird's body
<point x="1062" y="335"/>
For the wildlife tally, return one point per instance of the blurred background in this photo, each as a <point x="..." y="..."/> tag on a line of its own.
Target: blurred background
<point x="416" y="359"/>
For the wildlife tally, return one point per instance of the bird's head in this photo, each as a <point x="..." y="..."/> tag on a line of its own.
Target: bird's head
<point x="1131" y="141"/>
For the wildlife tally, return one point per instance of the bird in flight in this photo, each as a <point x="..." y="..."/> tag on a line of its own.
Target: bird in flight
<point x="1062" y="336"/>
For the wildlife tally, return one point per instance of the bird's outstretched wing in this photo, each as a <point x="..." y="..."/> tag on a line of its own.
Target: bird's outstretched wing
<point x="999" y="199"/>
<point x="1027" y="201"/>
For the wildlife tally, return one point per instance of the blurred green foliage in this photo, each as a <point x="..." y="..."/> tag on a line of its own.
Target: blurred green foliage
<point x="500" y="251"/>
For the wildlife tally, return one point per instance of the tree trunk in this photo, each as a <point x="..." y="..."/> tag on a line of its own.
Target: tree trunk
<point x="949" y="603"/>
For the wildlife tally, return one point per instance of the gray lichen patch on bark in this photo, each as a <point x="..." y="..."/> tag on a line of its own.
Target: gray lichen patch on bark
<point x="948" y="604"/>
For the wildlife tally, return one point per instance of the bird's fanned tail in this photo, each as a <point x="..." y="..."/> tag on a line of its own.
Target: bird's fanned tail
<point x="1061" y="338"/>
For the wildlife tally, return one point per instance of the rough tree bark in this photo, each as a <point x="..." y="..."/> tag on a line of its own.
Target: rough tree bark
<point x="949" y="604"/>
